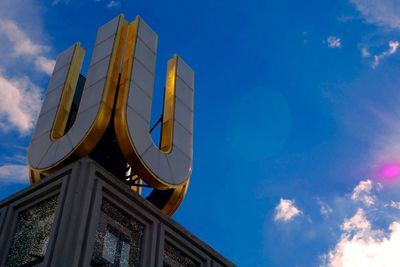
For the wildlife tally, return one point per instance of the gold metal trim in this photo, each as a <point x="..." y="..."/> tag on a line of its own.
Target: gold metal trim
<point x="122" y="130"/>
<point x="68" y="92"/>
<point x="176" y="199"/>
<point x="102" y="120"/>
<point x="121" y="127"/>
<point x="103" y="117"/>
<point x="34" y="176"/>
<point x="167" y="127"/>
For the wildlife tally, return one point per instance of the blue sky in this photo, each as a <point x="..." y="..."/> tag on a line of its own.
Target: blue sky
<point x="296" y="132"/>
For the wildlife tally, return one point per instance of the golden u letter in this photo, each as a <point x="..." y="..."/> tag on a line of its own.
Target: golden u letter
<point x="166" y="169"/>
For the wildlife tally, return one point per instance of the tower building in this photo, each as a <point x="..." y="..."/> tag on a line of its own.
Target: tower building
<point x="102" y="192"/>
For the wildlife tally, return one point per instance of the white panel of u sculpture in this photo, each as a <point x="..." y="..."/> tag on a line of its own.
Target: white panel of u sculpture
<point x="132" y="46"/>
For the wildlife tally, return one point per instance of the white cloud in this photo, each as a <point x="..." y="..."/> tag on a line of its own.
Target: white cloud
<point x="370" y="236"/>
<point x="385" y="13"/>
<point x="24" y="48"/>
<point x="22" y="44"/>
<point x="56" y="2"/>
<point x="286" y="210"/>
<point x="393" y="46"/>
<point x="24" y="59"/>
<point x="334" y="42"/>
<point x="45" y="65"/>
<point x="363" y="192"/>
<point x="21" y="59"/>
<point x="362" y="246"/>
<point x="20" y="101"/>
<point x="355" y="234"/>
<point x="324" y="208"/>
<point x="394" y="204"/>
<point x="365" y="52"/>
<point x="14" y="173"/>
<point x="113" y="3"/>
<point x="356" y="223"/>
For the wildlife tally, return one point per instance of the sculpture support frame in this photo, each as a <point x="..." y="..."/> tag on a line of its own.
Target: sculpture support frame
<point x="77" y="217"/>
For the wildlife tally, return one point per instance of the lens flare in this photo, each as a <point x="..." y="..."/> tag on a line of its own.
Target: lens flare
<point x="390" y="171"/>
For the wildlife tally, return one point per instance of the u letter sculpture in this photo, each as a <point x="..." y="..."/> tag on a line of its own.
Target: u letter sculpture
<point x="133" y="46"/>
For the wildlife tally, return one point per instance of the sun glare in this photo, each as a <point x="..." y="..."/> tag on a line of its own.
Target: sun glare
<point x="390" y="171"/>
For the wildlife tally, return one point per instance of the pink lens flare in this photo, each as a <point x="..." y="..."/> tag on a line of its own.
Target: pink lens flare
<point x="389" y="171"/>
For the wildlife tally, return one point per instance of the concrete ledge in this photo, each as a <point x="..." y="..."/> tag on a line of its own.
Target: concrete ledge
<point x="81" y="189"/>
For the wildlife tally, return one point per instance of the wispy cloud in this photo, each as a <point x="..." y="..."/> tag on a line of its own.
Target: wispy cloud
<point x="20" y="101"/>
<point x="286" y="211"/>
<point x="351" y="232"/>
<point x="324" y="208"/>
<point x="45" y="65"/>
<point x="363" y="193"/>
<point x="360" y="245"/>
<point x="22" y="45"/>
<point x="393" y="204"/>
<point x="113" y="3"/>
<point x="363" y="242"/>
<point x="56" y="2"/>
<point x="334" y="42"/>
<point x="108" y="3"/>
<point x="14" y="173"/>
<point x="20" y="97"/>
<point x="393" y="46"/>
<point x="365" y="52"/>
<point x="25" y="60"/>
<point x="385" y="13"/>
